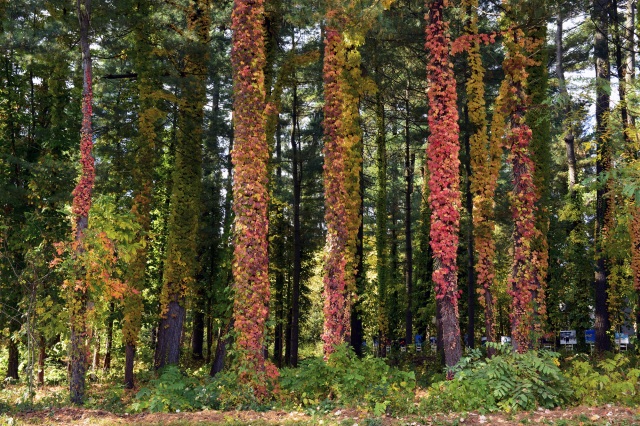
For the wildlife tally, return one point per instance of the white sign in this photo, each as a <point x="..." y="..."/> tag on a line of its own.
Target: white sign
<point x="568" y="337"/>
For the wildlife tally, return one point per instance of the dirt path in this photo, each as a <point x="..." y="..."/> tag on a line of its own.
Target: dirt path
<point x="606" y="415"/>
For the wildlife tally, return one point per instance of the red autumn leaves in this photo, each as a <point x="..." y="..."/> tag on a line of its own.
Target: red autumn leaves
<point x="250" y="156"/>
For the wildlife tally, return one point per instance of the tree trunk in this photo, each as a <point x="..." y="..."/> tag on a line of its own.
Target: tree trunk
<point x="442" y="153"/>
<point x="630" y="47"/>
<point x="603" y="165"/>
<point x="409" y="161"/>
<point x="109" y="345"/>
<point x="13" y="361"/>
<point x="209" y="335"/>
<point x="170" y="334"/>
<point x="197" y="336"/>
<point x="278" y="258"/>
<point x="381" y="218"/>
<point x="224" y="340"/>
<point x="81" y="205"/>
<point x="566" y="128"/>
<point x="357" y="331"/>
<point x="471" y="283"/>
<point x="95" y="364"/>
<point x="42" y="356"/>
<point x="182" y="240"/>
<point x="129" y="357"/>
<point x="297" y="237"/>
<point x="250" y="194"/>
<point x="337" y="307"/>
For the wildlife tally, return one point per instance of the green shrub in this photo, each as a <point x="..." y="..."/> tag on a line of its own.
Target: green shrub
<point x="610" y="381"/>
<point x="368" y="382"/>
<point x="508" y="381"/>
<point x="174" y="391"/>
<point x="171" y="391"/>
<point x="227" y="392"/>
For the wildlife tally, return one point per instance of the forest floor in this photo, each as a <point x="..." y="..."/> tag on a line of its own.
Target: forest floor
<point x="606" y="415"/>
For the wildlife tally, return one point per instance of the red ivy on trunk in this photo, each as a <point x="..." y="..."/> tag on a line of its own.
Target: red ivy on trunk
<point x="444" y="193"/>
<point x="250" y="156"/>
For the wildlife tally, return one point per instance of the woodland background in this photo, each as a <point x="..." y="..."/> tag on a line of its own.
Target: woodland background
<point x="255" y="186"/>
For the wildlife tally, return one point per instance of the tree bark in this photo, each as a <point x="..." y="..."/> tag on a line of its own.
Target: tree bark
<point x="180" y="265"/>
<point x="197" y="335"/>
<point x="109" y="343"/>
<point x="13" y="362"/>
<point x="409" y="161"/>
<point x="603" y="165"/>
<point x="224" y="340"/>
<point x="95" y="364"/>
<point x="381" y="219"/>
<point x="357" y="330"/>
<point x="442" y="153"/>
<point x="471" y="277"/>
<point x="129" y="356"/>
<point x="566" y="128"/>
<point x="42" y="356"/>
<point x="250" y="193"/>
<point x="297" y="237"/>
<point x="279" y="262"/>
<point x="81" y="205"/>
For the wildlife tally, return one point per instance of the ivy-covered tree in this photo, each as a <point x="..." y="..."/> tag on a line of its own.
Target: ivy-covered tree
<point x="444" y="193"/>
<point x="250" y="157"/>
<point x="180" y="264"/>
<point x="81" y="205"/>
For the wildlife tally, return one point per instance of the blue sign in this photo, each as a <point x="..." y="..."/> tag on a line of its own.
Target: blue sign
<point x="590" y="336"/>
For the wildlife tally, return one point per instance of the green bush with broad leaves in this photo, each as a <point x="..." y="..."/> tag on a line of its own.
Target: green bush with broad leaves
<point x="508" y="381"/>
<point x="611" y="380"/>
<point x="171" y="391"/>
<point x="366" y="383"/>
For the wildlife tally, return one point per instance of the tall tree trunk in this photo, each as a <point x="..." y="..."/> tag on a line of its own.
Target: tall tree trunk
<point x="143" y="180"/>
<point x="443" y="162"/>
<point x="95" y="363"/>
<point x="381" y="218"/>
<point x="621" y="68"/>
<point x="209" y="336"/>
<point x="409" y="161"/>
<point x="42" y="356"/>
<point x="336" y="154"/>
<point x="471" y="284"/>
<point x="13" y="361"/>
<point x="180" y="264"/>
<point x="81" y="205"/>
<point x="250" y="157"/>
<point x="567" y="129"/>
<point x="525" y="266"/>
<point x="630" y="46"/>
<point x="357" y="330"/>
<point x="224" y="340"/>
<point x="539" y="121"/>
<point x="109" y="343"/>
<point x="603" y="165"/>
<point x="278" y="241"/>
<point x="197" y="335"/>
<point x="486" y="156"/>
<point x="297" y="237"/>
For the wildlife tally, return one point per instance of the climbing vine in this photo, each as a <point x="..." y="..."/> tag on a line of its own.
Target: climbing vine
<point x="443" y="163"/>
<point x="485" y="165"/>
<point x="250" y="157"/>
<point x="524" y="282"/>
<point x="80" y="209"/>
<point x="336" y="302"/>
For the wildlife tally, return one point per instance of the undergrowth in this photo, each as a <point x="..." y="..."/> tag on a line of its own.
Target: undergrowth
<point x="508" y="381"/>
<point x="351" y="382"/>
